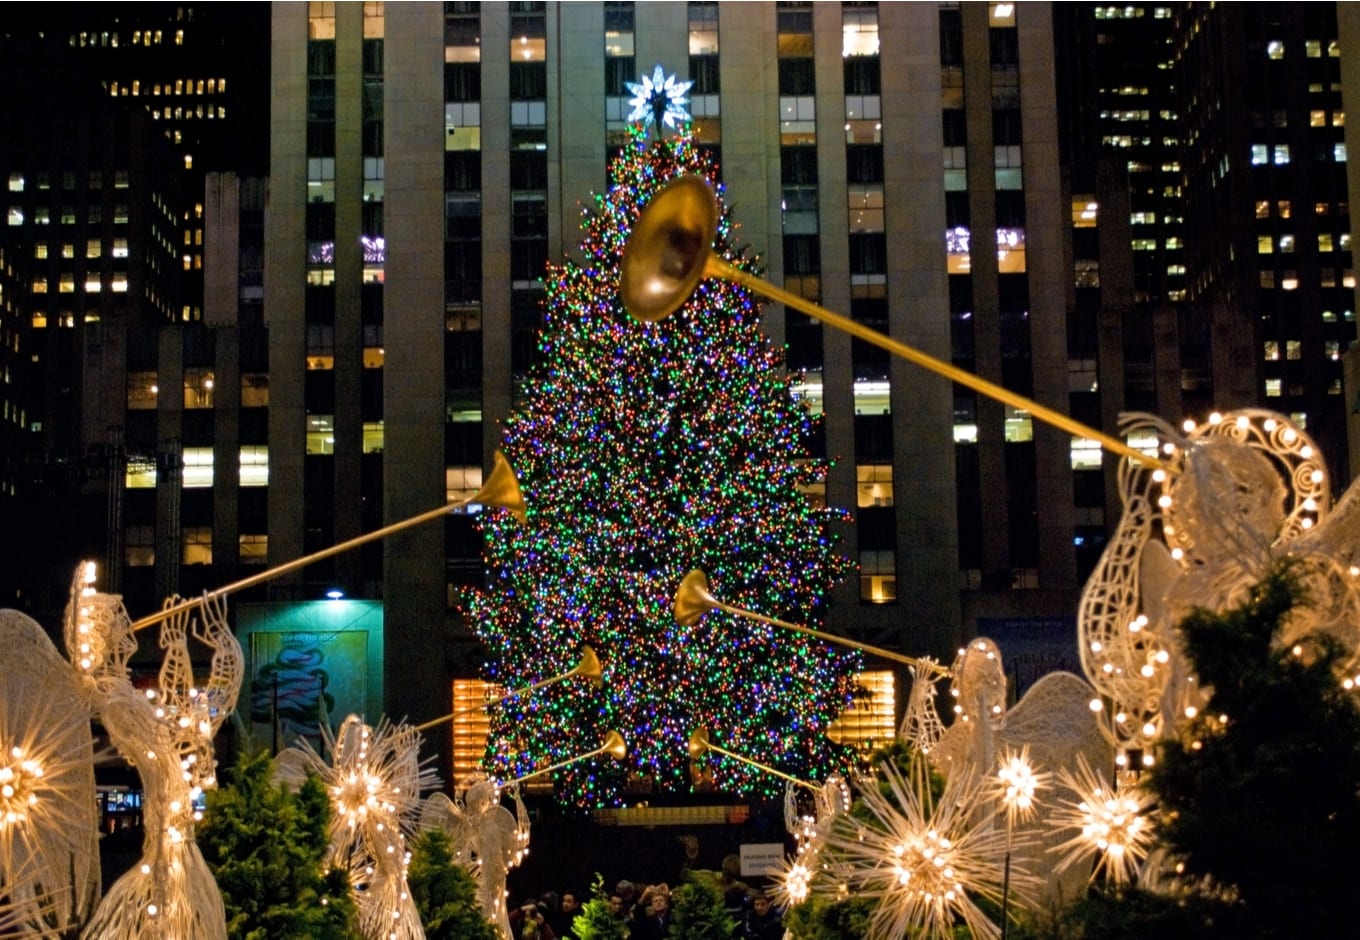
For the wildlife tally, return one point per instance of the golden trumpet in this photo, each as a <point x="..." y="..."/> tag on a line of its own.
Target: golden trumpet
<point x="699" y="744"/>
<point x="500" y="489"/>
<point x="613" y="745"/>
<point x="588" y="666"/>
<point x="693" y="599"/>
<point x="670" y="250"/>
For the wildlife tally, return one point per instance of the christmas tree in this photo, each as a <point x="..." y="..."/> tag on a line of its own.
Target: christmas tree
<point x="645" y="451"/>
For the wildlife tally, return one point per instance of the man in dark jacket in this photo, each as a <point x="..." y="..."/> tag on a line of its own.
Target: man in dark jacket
<point x="763" y="921"/>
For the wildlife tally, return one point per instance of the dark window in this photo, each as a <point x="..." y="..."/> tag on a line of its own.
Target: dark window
<point x="802" y="255"/>
<point x="797" y="77"/>
<point x="703" y="71"/>
<point x="528" y="169"/>
<point x="462" y="24"/>
<point x="864" y="163"/>
<point x="373" y="56"/>
<point x="955" y="127"/>
<point x="951" y="38"/>
<point x="1005" y="46"/>
<point x="463" y="170"/>
<point x="463" y="81"/>
<point x="1005" y="126"/>
<point x="873" y="437"/>
<point x="869" y="253"/>
<point x="617" y="71"/>
<point x="798" y="164"/>
<point x="528" y="259"/>
<point x="862" y="75"/>
<point x="528" y="81"/>
<point x="956" y="211"/>
<point x="1010" y="209"/>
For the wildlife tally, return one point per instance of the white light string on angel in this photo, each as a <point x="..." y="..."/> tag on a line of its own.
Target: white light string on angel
<point x="1240" y="493"/>
<point x="49" y="852"/>
<point x="489" y="840"/>
<point x="792" y="878"/>
<point x="375" y="778"/>
<point x="166" y="733"/>
<point x="1052" y="725"/>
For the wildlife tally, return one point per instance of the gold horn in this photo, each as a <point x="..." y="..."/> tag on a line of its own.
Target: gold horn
<point x="693" y="600"/>
<point x="699" y="743"/>
<point x="500" y="489"/>
<point x="666" y="252"/>
<point x="613" y="745"/>
<point x="670" y="250"/>
<point x="588" y="666"/>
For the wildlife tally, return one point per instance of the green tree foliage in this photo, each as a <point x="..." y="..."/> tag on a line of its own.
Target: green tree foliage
<point x="266" y="846"/>
<point x="698" y="912"/>
<point x="445" y="892"/>
<point x="1268" y="802"/>
<point x="822" y="919"/>
<point x="595" y="922"/>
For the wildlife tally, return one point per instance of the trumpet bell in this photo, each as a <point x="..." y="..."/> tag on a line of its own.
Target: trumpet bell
<point x="692" y="598"/>
<point x="615" y="746"/>
<point x="502" y="489"/>
<point x="665" y="255"/>
<point x="590" y="667"/>
<point x="698" y="743"/>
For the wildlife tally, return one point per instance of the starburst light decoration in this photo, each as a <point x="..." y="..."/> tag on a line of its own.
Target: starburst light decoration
<point x="166" y="733"/>
<point x="658" y="100"/>
<point x="1112" y="823"/>
<point x="922" y="860"/>
<point x="1017" y="785"/>
<point x="1241" y="491"/>
<point x="49" y="853"/>
<point x="374" y="778"/>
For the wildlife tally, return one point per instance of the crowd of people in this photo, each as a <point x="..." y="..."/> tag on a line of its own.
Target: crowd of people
<point x="646" y="911"/>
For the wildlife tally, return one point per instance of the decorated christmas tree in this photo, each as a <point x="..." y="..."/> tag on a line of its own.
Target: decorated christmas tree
<point x="645" y="451"/>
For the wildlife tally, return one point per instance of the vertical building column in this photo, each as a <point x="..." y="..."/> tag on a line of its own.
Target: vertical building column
<point x="918" y="292"/>
<point x="414" y="674"/>
<point x="1046" y="219"/>
<point x="284" y="279"/>
<point x="349" y="186"/>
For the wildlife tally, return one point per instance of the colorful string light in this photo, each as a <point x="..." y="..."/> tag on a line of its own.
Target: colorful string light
<point x="645" y="451"/>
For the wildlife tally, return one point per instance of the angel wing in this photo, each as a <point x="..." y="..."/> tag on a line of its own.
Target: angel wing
<point x="49" y="853"/>
<point x="443" y="814"/>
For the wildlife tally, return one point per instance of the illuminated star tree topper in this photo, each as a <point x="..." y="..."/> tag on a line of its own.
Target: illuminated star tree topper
<point x="659" y="100"/>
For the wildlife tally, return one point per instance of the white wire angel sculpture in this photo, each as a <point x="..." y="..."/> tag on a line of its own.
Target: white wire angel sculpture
<point x="49" y="852"/>
<point x="1052" y="724"/>
<point x="374" y="778"/>
<point x="486" y="837"/>
<point x="1239" y="494"/>
<point x="166" y="733"/>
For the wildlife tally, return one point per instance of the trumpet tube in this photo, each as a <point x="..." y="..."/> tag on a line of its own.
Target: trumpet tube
<point x="589" y="667"/>
<point x="699" y="742"/>
<point x="501" y="489"/>
<point x="670" y="250"/>
<point x="613" y="745"/>
<point x="693" y="599"/>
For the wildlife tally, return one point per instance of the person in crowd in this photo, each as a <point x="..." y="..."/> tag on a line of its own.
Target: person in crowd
<point x="763" y="921"/>
<point x="628" y="894"/>
<point x="527" y="922"/>
<point x="652" y="917"/>
<point x="569" y="911"/>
